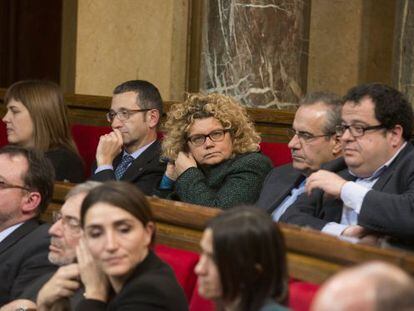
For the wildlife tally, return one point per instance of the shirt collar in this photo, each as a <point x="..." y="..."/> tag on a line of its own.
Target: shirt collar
<point x="138" y="152"/>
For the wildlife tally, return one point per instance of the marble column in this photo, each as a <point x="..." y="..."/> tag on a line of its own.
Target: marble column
<point x="255" y="50"/>
<point x="403" y="71"/>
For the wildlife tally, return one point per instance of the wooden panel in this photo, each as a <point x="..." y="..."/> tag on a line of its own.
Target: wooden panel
<point x="30" y="40"/>
<point x="312" y="256"/>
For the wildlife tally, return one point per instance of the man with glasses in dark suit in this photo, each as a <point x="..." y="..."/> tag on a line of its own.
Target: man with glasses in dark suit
<point x="374" y="195"/>
<point x="63" y="286"/>
<point x="313" y="141"/>
<point x="26" y="187"/>
<point x="131" y="151"/>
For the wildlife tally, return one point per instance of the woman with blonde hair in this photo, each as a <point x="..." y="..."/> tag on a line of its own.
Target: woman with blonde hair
<point x="37" y="117"/>
<point x="213" y="153"/>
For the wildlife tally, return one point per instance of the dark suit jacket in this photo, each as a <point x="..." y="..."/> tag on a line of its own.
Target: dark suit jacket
<point x="386" y="209"/>
<point x="146" y="171"/>
<point x="23" y="258"/>
<point x="68" y="165"/>
<point x="278" y="185"/>
<point x="151" y="287"/>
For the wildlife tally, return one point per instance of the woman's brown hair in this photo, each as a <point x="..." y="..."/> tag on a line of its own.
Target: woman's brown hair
<point x="44" y="101"/>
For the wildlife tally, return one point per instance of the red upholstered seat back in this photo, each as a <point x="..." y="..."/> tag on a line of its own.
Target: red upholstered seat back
<point x="86" y="138"/>
<point x="183" y="263"/>
<point x="3" y="134"/>
<point x="301" y="294"/>
<point x="279" y="153"/>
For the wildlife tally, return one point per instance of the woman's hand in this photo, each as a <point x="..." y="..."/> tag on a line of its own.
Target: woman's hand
<point x="183" y="162"/>
<point x="170" y="172"/>
<point x="92" y="276"/>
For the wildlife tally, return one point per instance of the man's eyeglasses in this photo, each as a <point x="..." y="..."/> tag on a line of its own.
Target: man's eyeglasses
<point x="356" y="130"/>
<point x="199" y="139"/>
<point x="305" y="136"/>
<point x="4" y="185"/>
<point x="69" y="222"/>
<point x="123" y="114"/>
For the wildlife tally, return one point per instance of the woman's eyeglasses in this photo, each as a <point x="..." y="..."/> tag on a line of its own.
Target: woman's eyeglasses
<point x="199" y="139"/>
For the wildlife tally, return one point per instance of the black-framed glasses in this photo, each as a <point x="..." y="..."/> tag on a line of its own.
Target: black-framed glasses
<point x="123" y="114"/>
<point x="67" y="221"/>
<point x="4" y="185"/>
<point x="199" y="139"/>
<point x="356" y="130"/>
<point x="304" y="136"/>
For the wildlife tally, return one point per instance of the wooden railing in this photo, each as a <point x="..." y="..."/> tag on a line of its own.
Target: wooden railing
<point x="312" y="256"/>
<point x="91" y="110"/>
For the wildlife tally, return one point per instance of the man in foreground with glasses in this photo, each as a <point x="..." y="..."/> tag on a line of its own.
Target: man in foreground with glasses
<point x="313" y="141"/>
<point x="26" y="186"/>
<point x="374" y="195"/>
<point x="131" y="151"/>
<point x="65" y="235"/>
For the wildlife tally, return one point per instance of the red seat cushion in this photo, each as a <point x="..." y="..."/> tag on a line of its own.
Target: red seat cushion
<point x="279" y="153"/>
<point x="301" y="294"/>
<point x="183" y="263"/>
<point x="86" y="138"/>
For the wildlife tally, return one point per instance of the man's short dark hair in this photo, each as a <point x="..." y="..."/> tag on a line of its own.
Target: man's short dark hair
<point x="391" y="106"/>
<point x="40" y="174"/>
<point x="147" y="93"/>
<point x="332" y="101"/>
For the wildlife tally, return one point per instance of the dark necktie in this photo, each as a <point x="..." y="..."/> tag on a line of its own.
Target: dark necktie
<point x="122" y="167"/>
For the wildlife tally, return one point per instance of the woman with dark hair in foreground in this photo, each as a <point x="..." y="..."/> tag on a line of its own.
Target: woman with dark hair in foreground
<point x="119" y="230"/>
<point x="243" y="262"/>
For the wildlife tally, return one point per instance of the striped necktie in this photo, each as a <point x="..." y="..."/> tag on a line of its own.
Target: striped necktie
<point x="123" y="166"/>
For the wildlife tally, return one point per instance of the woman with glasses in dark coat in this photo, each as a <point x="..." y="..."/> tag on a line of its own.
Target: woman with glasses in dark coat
<point x="213" y="153"/>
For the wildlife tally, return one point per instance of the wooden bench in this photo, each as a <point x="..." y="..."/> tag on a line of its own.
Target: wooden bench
<point x="312" y="256"/>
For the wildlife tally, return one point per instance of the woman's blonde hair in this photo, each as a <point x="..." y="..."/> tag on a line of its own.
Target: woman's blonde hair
<point x="44" y="101"/>
<point x="225" y="109"/>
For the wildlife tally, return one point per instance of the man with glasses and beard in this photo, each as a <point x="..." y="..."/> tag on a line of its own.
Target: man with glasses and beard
<point x="373" y="196"/>
<point x="65" y="235"/>
<point x="131" y="152"/>
<point x="26" y="186"/>
<point x="313" y="142"/>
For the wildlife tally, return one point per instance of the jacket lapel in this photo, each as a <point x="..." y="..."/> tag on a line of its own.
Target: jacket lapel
<point x="289" y="182"/>
<point x="138" y="165"/>
<point x="389" y="171"/>
<point x="18" y="234"/>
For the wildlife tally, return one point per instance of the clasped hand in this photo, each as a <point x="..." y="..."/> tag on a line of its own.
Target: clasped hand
<point x="109" y="146"/>
<point x="183" y="162"/>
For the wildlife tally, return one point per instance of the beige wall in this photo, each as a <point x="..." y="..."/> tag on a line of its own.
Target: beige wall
<point x="131" y="39"/>
<point x="350" y="43"/>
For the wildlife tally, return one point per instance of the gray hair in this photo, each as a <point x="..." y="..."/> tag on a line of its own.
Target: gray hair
<point x="334" y="104"/>
<point x="81" y="188"/>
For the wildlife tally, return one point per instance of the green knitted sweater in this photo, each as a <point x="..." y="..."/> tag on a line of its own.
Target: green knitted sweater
<point x="233" y="182"/>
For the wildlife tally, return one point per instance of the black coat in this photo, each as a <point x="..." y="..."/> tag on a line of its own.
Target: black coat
<point x="145" y="171"/>
<point x="23" y="258"/>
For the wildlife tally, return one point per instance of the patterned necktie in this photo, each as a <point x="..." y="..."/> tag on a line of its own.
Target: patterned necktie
<point x="122" y="167"/>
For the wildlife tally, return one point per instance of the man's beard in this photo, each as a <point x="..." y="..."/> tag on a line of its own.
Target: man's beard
<point x="57" y="259"/>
